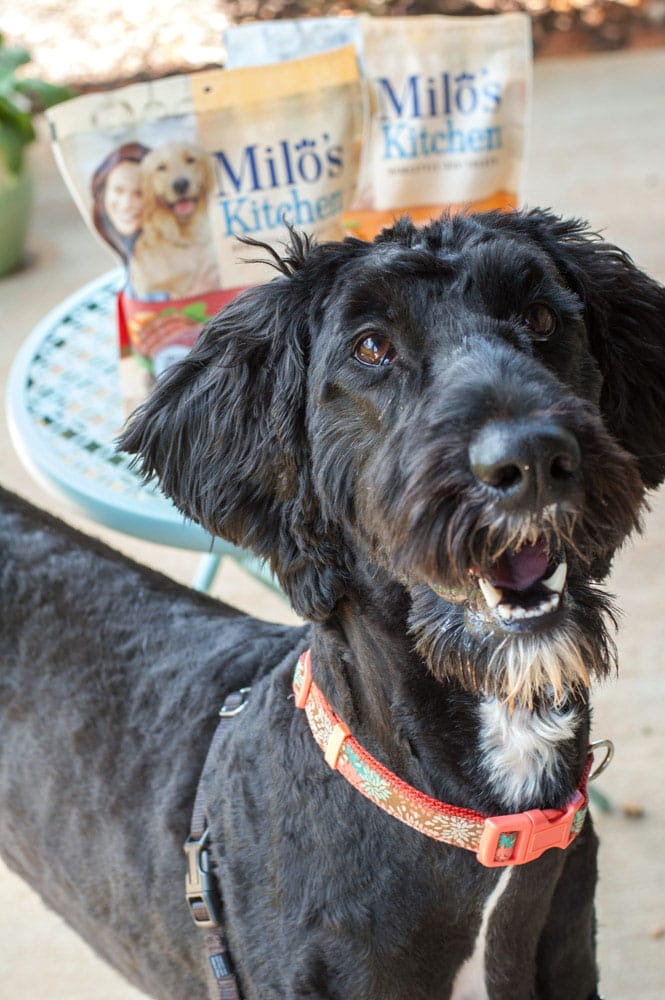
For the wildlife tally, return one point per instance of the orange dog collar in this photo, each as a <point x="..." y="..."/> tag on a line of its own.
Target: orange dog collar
<point x="498" y="841"/>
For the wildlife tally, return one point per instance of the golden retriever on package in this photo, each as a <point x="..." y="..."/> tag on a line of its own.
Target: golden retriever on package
<point x="173" y="254"/>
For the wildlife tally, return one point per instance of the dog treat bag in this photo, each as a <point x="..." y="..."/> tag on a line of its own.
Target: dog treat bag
<point x="449" y="110"/>
<point x="256" y="43"/>
<point x="170" y="173"/>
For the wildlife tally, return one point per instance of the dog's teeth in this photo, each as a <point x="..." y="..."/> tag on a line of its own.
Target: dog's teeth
<point x="557" y="580"/>
<point x="492" y="596"/>
<point x="544" y="607"/>
<point x="511" y="613"/>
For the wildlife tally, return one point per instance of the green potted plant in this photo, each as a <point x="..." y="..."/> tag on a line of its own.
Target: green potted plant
<point x="20" y="100"/>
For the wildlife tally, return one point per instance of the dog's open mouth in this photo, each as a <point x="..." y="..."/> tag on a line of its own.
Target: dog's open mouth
<point x="184" y="207"/>
<point x="524" y="587"/>
<point x="525" y="584"/>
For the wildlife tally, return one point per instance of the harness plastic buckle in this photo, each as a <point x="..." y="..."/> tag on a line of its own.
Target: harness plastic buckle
<point x="201" y="891"/>
<point x="522" y="837"/>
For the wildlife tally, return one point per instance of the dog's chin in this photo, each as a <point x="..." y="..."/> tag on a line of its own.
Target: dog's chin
<point x="542" y="644"/>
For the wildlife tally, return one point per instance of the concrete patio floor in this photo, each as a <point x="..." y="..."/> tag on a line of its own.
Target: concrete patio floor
<point x="597" y="151"/>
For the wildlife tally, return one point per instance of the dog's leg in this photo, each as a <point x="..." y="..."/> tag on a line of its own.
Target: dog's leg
<point x="567" y="951"/>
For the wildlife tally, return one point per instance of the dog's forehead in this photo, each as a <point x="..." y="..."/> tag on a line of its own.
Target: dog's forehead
<point x="170" y="154"/>
<point x="392" y="271"/>
<point x="481" y="248"/>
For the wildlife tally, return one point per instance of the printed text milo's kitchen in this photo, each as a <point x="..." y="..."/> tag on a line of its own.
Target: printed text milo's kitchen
<point x="263" y="186"/>
<point x="412" y="115"/>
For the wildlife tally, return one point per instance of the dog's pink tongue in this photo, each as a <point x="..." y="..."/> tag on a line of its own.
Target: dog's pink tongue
<point x="184" y="207"/>
<point x="520" y="570"/>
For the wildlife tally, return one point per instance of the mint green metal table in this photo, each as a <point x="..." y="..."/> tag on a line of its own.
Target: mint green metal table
<point x="65" y="414"/>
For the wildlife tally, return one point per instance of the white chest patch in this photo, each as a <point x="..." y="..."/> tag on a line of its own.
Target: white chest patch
<point x="469" y="982"/>
<point x="520" y="749"/>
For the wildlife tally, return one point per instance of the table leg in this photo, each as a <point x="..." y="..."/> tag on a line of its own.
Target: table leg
<point x="206" y="572"/>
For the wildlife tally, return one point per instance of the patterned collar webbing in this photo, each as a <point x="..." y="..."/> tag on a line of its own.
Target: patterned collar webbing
<point x="497" y="840"/>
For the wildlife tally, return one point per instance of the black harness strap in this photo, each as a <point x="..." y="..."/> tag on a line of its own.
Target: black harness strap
<point x="201" y="888"/>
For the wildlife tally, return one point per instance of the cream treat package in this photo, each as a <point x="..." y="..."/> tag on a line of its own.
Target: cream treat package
<point x="171" y="173"/>
<point x="450" y="100"/>
<point x="452" y="95"/>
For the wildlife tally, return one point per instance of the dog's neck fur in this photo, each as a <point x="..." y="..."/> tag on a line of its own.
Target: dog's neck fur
<point x="457" y="745"/>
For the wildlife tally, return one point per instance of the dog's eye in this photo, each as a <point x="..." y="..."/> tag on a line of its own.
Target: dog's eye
<point x="540" y="320"/>
<point x="374" y="349"/>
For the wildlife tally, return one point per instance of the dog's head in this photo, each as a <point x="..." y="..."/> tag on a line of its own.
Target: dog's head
<point x="474" y="408"/>
<point x="176" y="178"/>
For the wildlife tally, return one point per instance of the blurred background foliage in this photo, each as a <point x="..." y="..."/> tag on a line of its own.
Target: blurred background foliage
<point x="92" y="46"/>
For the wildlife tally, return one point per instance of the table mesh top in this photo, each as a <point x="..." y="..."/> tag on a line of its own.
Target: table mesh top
<point x="72" y="393"/>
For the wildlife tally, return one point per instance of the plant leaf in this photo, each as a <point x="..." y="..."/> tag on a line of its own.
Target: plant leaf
<point x="43" y="95"/>
<point x="19" y="122"/>
<point x="11" y="58"/>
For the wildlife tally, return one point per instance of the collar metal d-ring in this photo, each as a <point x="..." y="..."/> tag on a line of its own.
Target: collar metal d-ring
<point x="608" y="747"/>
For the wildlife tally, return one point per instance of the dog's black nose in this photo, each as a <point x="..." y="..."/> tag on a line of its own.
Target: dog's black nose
<point x="181" y="185"/>
<point x="528" y="464"/>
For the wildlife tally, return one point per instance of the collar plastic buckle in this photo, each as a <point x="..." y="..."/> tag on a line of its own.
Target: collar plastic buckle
<point x="522" y="837"/>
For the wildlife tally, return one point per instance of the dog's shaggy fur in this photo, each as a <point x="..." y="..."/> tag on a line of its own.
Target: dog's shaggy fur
<point x="420" y="433"/>
<point x="173" y="254"/>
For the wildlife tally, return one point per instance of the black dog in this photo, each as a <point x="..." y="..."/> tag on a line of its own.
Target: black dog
<point x="438" y="440"/>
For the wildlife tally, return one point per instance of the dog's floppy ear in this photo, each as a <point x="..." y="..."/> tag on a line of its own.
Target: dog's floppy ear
<point x="625" y="317"/>
<point x="148" y="196"/>
<point x="224" y="431"/>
